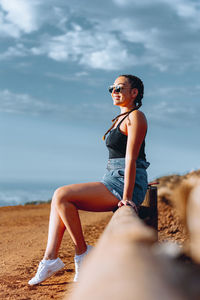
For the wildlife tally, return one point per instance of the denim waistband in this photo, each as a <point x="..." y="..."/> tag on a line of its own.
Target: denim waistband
<point x="119" y="163"/>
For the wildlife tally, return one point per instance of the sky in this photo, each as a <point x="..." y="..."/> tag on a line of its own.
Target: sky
<point x="57" y="59"/>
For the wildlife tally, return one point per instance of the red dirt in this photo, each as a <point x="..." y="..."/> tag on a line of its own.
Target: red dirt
<point x="23" y="232"/>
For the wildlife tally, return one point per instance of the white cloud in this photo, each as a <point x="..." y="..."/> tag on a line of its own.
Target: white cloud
<point x="167" y="112"/>
<point x="17" y="17"/>
<point x="16" y="103"/>
<point x="186" y="9"/>
<point x="101" y="50"/>
<point x="162" y="34"/>
<point x="23" y="103"/>
<point x="60" y="16"/>
<point x="75" y="77"/>
<point x="8" y="29"/>
<point x="112" y="56"/>
<point x="17" y="51"/>
<point x="152" y="51"/>
<point x="181" y="92"/>
<point x="173" y="105"/>
<point x="173" y="112"/>
<point x="138" y="39"/>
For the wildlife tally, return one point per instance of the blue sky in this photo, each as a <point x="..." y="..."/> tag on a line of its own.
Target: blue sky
<point x="57" y="59"/>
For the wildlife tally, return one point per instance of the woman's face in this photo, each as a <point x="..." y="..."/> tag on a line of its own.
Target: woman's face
<point x="126" y="96"/>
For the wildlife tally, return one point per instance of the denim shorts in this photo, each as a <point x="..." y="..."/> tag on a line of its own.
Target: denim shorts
<point x="114" y="179"/>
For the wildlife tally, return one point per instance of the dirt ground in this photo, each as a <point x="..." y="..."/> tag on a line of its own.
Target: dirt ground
<point x="23" y="234"/>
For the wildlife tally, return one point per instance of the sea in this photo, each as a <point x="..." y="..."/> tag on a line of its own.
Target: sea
<point x="23" y="192"/>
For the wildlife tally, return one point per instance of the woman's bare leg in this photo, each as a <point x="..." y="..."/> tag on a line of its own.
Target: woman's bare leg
<point x="55" y="234"/>
<point x="64" y="213"/>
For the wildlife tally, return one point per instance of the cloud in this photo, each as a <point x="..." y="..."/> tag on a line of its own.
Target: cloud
<point x="76" y="77"/>
<point x="23" y="104"/>
<point x="162" y="34"/>
<point x="144" y="41"/>
<point x="101" y="50"/>
<point x="181" y="92"/>
<point x="139" y="38"/>
<point x="18" y="17"/>
<point x="16" y="103"/>
<point x="176" y="113"/>
<point x="18" y="51"/>
<point x="173" y="105"/>
<point x="186" y="9"/>
<point x="172" y="111"/>
<point x="61" y="17"/>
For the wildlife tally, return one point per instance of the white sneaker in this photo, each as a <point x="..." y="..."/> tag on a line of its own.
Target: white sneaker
<point x="78" y="259"/>
<point x="46" y="269"/>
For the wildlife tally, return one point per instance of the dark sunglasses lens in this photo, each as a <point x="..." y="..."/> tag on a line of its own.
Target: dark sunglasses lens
<point x="117" y="89"/>
<point x="110" y="89"/>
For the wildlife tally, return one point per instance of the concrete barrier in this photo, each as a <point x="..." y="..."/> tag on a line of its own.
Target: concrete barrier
<point x="122" y="265"/>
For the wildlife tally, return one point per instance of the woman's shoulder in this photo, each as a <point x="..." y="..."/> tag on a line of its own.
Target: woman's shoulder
<point x="137" y="115"/>
<point x="136" y="122"/>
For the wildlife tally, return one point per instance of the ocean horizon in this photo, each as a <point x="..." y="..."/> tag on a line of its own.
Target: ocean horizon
<point x="23" y="192"/>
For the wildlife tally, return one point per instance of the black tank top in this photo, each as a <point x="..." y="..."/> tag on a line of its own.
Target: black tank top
<point x="116" y="142"/>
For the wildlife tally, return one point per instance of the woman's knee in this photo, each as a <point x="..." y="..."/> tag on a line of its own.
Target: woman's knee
<point x="61" y="196"/>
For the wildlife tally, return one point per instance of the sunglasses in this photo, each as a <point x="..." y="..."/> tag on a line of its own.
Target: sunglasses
<point x="117" y="88"/>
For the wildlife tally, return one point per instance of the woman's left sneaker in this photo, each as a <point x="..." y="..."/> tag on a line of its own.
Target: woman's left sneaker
<point x="46" y="269"/>
<point x="78" y="259"/>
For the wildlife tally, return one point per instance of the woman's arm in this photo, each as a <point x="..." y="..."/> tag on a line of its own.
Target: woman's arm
<point x="136" y="131"/>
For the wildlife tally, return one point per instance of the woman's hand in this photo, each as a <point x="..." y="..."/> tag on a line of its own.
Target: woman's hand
<point x="128" y="203"/>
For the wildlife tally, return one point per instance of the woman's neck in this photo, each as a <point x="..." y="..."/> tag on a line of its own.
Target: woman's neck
<point x="126" y="109"/>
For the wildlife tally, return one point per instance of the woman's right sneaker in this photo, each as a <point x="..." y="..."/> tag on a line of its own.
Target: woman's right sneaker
<point x="46" y="269"/>
<point x="78" y="259"/>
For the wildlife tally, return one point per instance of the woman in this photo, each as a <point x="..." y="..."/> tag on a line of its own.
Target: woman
<point x="125" y="181"/>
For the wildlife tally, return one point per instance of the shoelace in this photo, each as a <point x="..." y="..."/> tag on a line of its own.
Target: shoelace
<point x="40" y="269"/>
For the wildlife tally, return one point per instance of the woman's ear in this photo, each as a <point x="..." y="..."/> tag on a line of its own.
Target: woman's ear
<point x="134" y="93"/>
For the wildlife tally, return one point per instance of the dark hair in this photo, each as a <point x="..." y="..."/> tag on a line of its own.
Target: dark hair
<point x="137" y="83"/>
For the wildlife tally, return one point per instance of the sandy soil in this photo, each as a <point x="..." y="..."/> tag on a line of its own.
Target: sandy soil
<point x="23" y="234"/>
